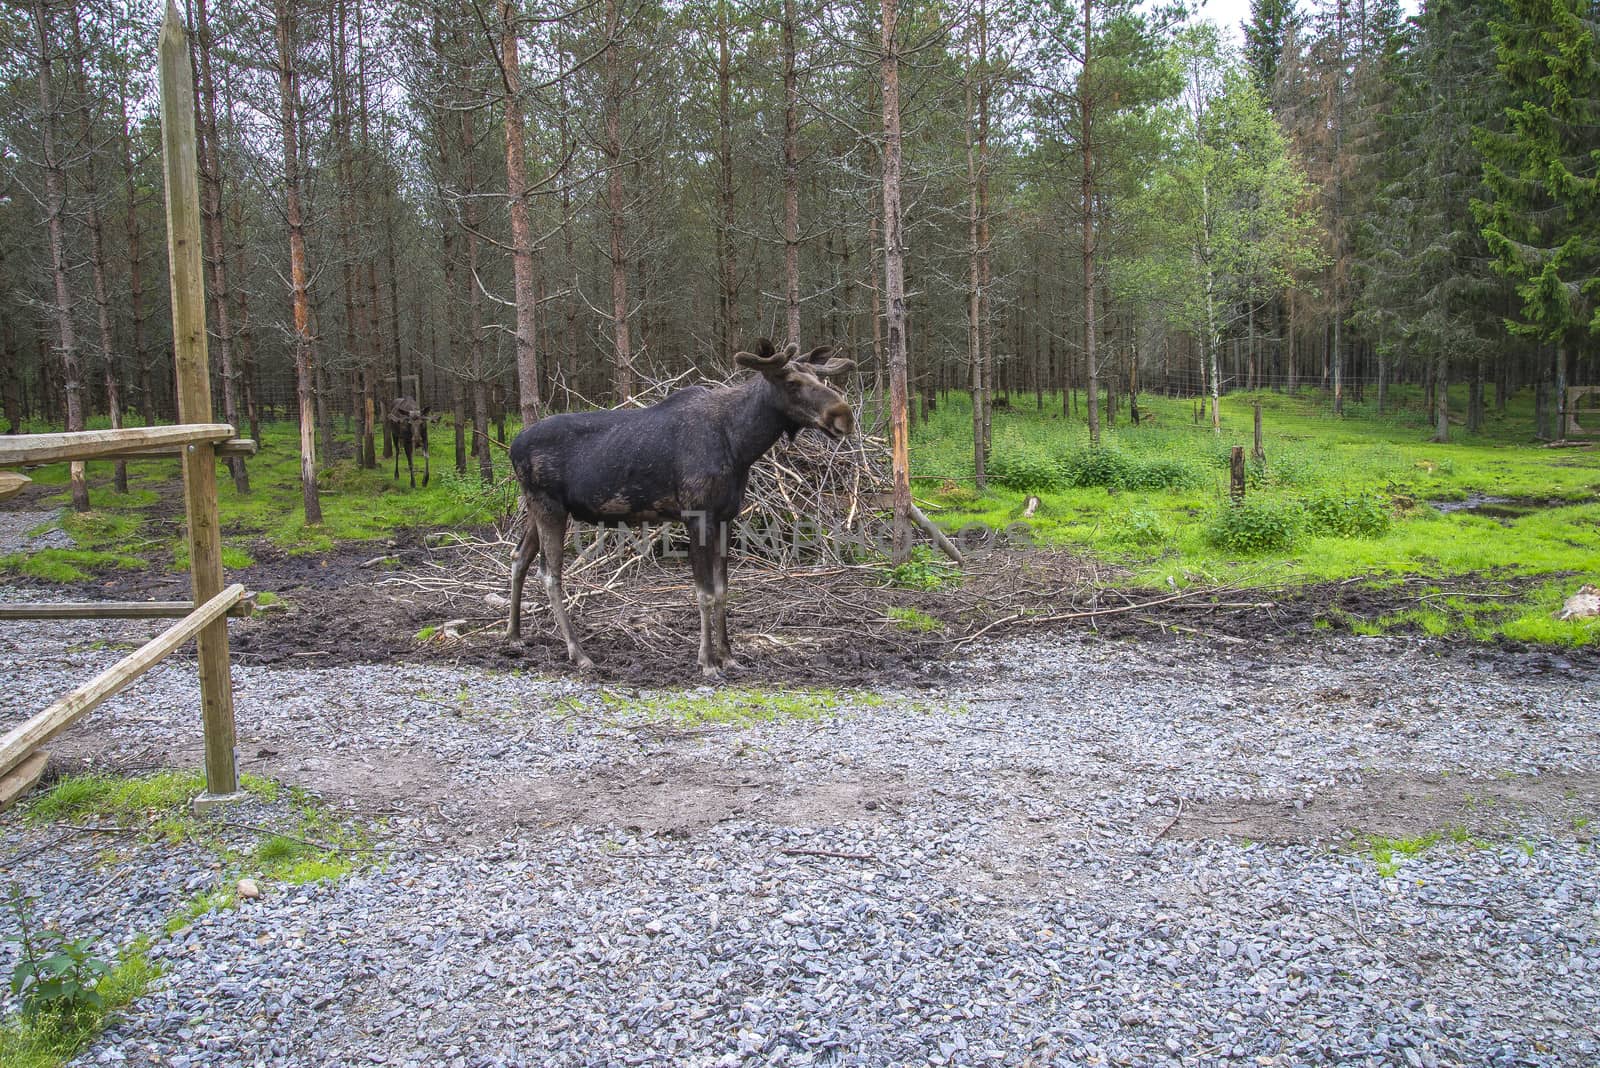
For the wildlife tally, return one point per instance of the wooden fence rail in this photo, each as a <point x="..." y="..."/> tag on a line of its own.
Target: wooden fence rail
<point x="195" y="440"/>
<point x="20" y="741"/>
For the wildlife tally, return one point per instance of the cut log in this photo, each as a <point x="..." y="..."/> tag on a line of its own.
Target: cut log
<point x="20" y="779"/>
<point x="12" y="483"/>
<point x="931" y="529"/>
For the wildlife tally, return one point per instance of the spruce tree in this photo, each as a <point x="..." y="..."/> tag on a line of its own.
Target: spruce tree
<point x="1264" y="35"/>
<point x="1541" y="214"/>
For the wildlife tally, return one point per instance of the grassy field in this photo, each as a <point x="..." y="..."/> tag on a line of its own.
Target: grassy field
<point x="1335" y="499"/>
<point x="124" y="531"/>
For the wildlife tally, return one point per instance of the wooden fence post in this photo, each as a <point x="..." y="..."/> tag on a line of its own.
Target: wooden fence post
<point x="1236" y="473"/>
<point x="1259" y="453"/>
<point x="194" y="395"/>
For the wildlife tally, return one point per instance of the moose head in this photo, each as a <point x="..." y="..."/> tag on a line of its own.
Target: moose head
<point x="800" y="384"/>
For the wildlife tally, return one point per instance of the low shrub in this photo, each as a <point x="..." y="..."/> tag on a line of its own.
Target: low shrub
<point x="1021" y="465"/>
<point x="1362" y="516"/>
<point x="924" y="571"/>
<point x="1253" y="527"/>
<point x="1161" y="473"/>
<point x="1137" y="526"/>
<point x="1097" y="466"/>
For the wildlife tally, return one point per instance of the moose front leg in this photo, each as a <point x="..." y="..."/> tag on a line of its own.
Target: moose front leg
<point x="527" y="549"/>
<point x="702" y="564"/>
<point x="719" y="574"/>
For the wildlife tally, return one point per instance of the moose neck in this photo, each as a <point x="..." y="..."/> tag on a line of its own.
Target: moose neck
<point x="756" y="421"/>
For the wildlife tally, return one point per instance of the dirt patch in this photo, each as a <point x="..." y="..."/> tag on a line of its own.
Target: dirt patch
<point x="1398" y="806"/>
<point x="673" y="795"/>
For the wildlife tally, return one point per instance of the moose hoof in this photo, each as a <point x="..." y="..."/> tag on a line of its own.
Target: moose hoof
<point x="583" y="664"/>
<point x="731" y="664"/>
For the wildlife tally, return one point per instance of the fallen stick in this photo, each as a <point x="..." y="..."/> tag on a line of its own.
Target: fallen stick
<point x="930" y="528"/>
<point x="1173" y="822"/>
<point x="826" y="853"/>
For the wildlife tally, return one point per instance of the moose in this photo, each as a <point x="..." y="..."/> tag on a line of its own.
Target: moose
<point x="686" y="458"/>
<point x="408" y="425"/>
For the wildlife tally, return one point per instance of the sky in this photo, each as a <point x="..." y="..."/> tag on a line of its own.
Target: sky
<point x="1231" y="14"/>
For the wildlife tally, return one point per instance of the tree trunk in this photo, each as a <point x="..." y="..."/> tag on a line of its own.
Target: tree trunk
<point x="247" y="361"/>
<point x="1086" y="207"/>
<point x="1475" y="398"/>
<point x="132" y="230"/>
<point x="10" y="376"/>
<point x="110" y="363"/>
<point x="791" y="178"/>
<point x="974" y="299"/>
<point x="299" y="272"/>
<point x="894" y="254"/>
<point x="727" y="278"/>
<point x="622" y="377"/>
<point x="475" y="369"/>
<point x="211" y="212"/>
<point x="1441" y="400"/>
<point x="529" y="369"/>
<point x="55" y="204"/>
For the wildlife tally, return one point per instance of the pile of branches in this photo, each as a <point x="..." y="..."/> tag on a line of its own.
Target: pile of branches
<point x="813" y="593"/>
<point x="817" y="622"/>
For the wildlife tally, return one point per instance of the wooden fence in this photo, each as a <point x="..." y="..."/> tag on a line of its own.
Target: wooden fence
<point x="196" y="441"/>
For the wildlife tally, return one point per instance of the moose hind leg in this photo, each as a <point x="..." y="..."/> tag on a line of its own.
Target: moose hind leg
<point x="552" y="545"/>
<point x="527" y="549"/>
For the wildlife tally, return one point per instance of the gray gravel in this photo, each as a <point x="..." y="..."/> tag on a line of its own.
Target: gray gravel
<point x="22" y="532"/>
<point x="1091" y="853"/>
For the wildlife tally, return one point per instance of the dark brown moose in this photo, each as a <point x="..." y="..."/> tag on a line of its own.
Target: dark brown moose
<point x="408" y="424"/>
<point x="686" y="458"/>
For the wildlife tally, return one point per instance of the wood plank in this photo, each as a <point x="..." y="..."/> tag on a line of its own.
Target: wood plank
<point x="231" y="447"/>
<point x="17" y="743"/>
<point x="115" y="609"/>
<point x="12" y="483"/>
<point x="16" y="449"/>
<point x="20" y="779"/>
<point x="193" y="382"/>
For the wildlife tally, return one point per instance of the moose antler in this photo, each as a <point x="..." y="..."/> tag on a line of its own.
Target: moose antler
<point x="817" y="363"/>
<point x="767" y="361"/>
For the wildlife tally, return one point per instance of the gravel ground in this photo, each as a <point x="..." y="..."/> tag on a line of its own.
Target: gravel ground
<point x="17" y="527"/>
<point x="1089" y="852"/>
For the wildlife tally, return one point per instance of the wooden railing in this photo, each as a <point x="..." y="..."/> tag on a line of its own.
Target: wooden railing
<point x="196" y="442"/>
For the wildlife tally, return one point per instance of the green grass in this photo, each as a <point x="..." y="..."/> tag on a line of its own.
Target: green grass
<point x="357" y="504"/>
<point x="1388" y="852"/>
<point x="67" y="565"/>
<point x="311" y="844"/>
<point x="911" y="619"/>
<point x="1335" y="499"/>
<point x="741" y="706"/>
<point x="48" y="1040"/>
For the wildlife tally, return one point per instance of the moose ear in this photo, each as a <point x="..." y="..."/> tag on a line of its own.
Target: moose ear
<point x="818" y="354"/>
